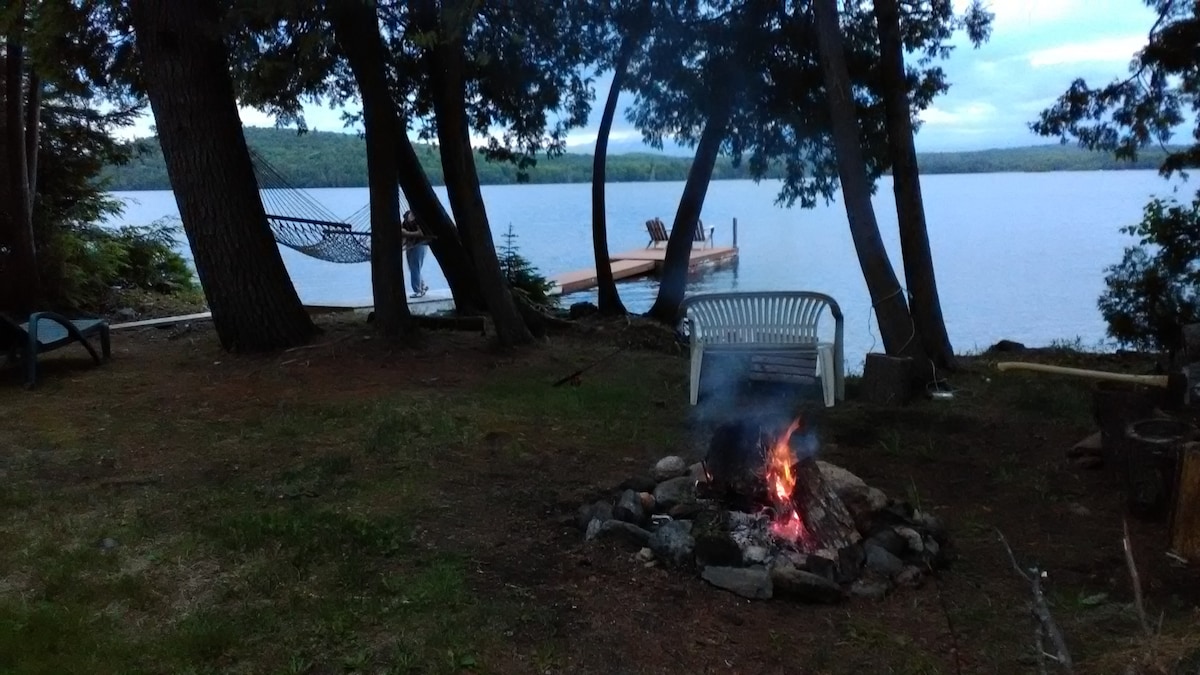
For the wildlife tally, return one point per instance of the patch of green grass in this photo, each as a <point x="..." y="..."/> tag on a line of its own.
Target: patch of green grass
<point x="308" y="532"/>
<point x="1049" y="398"/>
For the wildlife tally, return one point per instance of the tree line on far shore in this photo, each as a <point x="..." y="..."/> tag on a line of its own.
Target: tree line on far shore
<point x="329" y="159"/>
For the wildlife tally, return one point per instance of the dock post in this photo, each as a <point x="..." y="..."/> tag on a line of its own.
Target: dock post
<point x="735" y="232"/>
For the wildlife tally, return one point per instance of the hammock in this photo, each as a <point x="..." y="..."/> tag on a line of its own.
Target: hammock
<point x="302" y="223"/>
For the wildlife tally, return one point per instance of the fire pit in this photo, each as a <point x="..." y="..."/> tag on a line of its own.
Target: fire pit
<point x="762" y="517"/>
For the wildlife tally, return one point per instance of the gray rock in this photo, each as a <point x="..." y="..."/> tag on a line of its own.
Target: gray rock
<point x="888" y="540"/>
<point x="697" y="471"/>
<point x="912" y="539"/>
<point x="754" y="555"/>
<point x="629" y="508"/>
<point x="107" y="544"/>
<point x="910" y="576"/>
<point x="593" y="529"/>
<point x="838" y="478"/>
<point x="601" y="510"/>
<point x="866" y="587"/>
<point x="673" y="543"/>
<point x="669" y="467"/>
<point x="617" y="530"/>
<point x="126" y="314"/>
<point x="1079" y="509"/>
<point x="879" y="560"/>
<point x="645" y="555"/>
<point x="932" y="524"/>
<point x="749" y="582"/>
<point x="804" y="586"/>
<point x="686" y="510"/>
<point x="673" y="491"/>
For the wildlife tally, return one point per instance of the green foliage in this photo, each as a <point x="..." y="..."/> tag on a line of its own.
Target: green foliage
<point x="332" y="159"/>
<point x="522" y="276"/>
<point x="1155" y="289"/>
<point x="92" y="260"/>
<point x="1141" y="111"/>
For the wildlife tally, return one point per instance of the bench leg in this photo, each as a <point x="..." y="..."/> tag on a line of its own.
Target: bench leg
<point x="697" y="359"/>
<point x="828" y="375"/>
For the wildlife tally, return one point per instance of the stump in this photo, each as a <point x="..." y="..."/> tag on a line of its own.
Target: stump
<point x="1151" y="448"/>
<point x="1185" y="518"/>
<point x="887" y="380"/>
<point x="1114" y="406"/>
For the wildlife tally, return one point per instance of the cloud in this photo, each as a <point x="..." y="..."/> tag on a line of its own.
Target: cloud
<point x="967" y="114"/>
<point x="1117" y="50"/>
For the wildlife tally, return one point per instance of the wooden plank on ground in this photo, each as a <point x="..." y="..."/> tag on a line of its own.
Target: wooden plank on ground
<point x="162" y="321"/>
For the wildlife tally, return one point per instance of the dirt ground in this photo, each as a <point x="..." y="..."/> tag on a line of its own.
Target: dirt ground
<point x="356" y="506"/>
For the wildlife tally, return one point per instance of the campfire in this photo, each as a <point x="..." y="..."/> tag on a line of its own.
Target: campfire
<point x="762" y="517"/>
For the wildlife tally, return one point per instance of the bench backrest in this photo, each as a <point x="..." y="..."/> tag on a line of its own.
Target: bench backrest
<point x="761" y="317"/>
<point x="700" y="233"/>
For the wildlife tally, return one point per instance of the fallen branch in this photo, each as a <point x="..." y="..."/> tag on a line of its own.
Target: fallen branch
<point x="1047" y="628"/>
<point x="1138" y="603"/>
<point x="574" y="377"/>
<point x="954" y="645"/>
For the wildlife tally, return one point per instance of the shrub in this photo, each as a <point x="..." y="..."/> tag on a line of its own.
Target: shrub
<point x="91" y="260"/>
<point x="522" y="276"/>
<point x="1155" y="289"/>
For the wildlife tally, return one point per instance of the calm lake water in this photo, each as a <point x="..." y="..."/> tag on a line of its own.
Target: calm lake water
<point x="1018" y="256"/>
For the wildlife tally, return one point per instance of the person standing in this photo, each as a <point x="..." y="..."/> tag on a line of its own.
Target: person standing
<point x="410" y="227"/>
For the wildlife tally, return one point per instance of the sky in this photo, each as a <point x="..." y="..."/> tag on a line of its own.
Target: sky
<point x="1037" y="48"/>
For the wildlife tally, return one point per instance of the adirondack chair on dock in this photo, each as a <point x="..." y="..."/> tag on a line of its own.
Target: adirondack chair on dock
<point x="659" y="233"/>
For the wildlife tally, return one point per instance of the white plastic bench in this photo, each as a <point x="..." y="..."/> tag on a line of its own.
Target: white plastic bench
<point x="777" y="329"/>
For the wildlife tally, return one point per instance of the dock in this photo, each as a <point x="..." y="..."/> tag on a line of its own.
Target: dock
<point x="638" y="263"/>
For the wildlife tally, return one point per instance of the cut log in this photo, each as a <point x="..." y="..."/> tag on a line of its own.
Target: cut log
<point x="1151" y="452"/>
<point x="1114" y="406"/>
<point x="826" y="519"/>
<point x="887" y="380"/>
<point x="1185" y="519"/>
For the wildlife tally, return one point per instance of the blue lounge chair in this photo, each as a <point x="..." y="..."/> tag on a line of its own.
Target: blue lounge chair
<point x="47" y="331"/>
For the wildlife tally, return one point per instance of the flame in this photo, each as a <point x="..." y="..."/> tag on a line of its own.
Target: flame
<point x="781" y="482"/>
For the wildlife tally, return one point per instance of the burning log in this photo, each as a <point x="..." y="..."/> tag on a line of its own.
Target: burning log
<point x="827" y="522"/>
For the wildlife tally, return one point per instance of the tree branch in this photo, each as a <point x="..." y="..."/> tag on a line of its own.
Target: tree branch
<point x="1041" y="611"/>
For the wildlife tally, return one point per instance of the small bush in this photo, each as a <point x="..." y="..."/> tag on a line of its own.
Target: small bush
<point x="522" y="276"/>
<point x="1155" y="289"/>
<point x="91" y="260"/>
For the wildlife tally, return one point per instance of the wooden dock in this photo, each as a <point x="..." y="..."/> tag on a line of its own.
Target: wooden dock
<point x="640" y="262"/>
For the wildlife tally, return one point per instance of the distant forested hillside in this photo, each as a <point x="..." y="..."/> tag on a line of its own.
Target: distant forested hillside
<point x="327" y="159"/>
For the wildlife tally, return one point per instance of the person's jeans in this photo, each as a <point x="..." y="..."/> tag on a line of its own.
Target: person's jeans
<point x="415" y="256"/>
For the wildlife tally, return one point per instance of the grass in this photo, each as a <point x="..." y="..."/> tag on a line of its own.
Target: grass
<point x="183" y="511"/>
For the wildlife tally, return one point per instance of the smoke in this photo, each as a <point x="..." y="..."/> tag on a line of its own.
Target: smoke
<point x="734" y="410"/>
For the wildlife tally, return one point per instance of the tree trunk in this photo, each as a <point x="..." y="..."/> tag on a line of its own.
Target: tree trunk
<point x="608" y="299"/>
<point x="20" y="283"/>
<point x="356" y="32"/>
<point x="462" y="180"/>
<point x="33" y="125"/>
<point x="925" y="305"/>
<point x="887" y="298"/>
<point x="673" y="282"/>
<point x="185" y="66"/>
<point x="447" y="247"/>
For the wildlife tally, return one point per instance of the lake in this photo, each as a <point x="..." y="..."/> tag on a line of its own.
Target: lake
<point x="1018" y="256"/>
